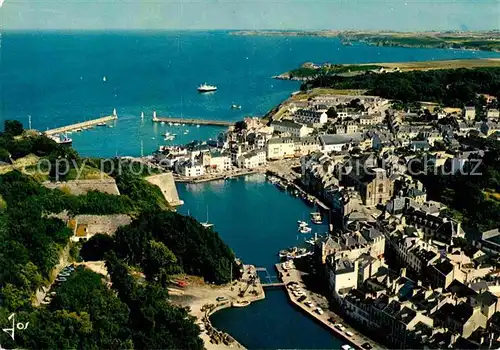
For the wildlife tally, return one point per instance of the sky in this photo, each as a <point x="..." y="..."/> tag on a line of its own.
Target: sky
<point x="402" y="15"/>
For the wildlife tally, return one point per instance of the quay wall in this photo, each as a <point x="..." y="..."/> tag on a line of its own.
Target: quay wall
<point x="350" y="340"/>
<point x="166" y="184"/>
<point x="80" y="125"/>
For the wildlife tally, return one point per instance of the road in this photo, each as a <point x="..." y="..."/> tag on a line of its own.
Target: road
<point x="357" y="339"/>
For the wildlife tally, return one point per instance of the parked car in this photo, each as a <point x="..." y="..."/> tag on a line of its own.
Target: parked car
<point x="301" y="298"/>
<point x="366" y="346"/>
<point x="61" y="279"/>
<point x="47" y="299"/>
<point x="349" y="334"/>
<point x="64" y="274"/>
<point x="331" y="320"/>
<point x="319" y="311"/>
<point x="221" y="299"/>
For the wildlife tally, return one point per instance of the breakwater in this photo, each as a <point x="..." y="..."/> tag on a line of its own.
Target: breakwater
<point x="82" y="125"/>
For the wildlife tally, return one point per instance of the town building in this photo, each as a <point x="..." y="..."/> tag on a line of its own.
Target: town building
<point x="469" y="113"/>
<point x="280" y="147"/>
<point x="493" y="114"/>
<point x="307" y="116"/>
<point x="291" y="128"/>
<point x="335" y="143"/>
<point x="252" y="159"/>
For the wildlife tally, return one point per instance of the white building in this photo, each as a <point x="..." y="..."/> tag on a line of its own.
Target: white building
<point x="307" y="116"/>
<point x="470" y="113"/>
<point x="292" y="128"/>
<point x="190" y="168"/>
<point x="252" y="159"/>
<point x="493" y="114"/>
<point x="220" y="161"/>
<point x="280" y="147"/>
<point x="334" y="143"/>
<point x="342" y="275"/>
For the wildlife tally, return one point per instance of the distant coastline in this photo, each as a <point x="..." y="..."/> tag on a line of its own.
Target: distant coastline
<point x="309" y="70"/>
<point x="479" y="41"/>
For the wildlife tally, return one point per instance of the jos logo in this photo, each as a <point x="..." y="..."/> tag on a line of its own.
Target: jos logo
<point x="11" y="331"/>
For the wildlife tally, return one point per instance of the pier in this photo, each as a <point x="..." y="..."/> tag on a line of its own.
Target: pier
<point x="82" y="125"/>
<point x="193" y="121"/>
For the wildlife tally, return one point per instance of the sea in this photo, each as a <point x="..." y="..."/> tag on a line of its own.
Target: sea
<point x="60" y="78"/>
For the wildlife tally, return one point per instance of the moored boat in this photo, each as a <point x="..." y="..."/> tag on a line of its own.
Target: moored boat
<point x="241" y="303"/>
<point x="207" y="88"/>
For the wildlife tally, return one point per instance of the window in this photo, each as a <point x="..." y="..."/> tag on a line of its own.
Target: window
<point x="380" y="188"/>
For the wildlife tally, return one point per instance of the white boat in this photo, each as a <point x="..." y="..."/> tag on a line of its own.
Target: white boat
<point x="142" y="115"/>
<point x="242" y="303"/>
<point x="235" y="106"/>
<point x="104" y="79"/>
<point x="207" y="224"/>
<point x="177" y="124"/>
<point x="78" y="130"/>
<point x="316" y="218"/>
<point x="101" y="124"/>
<point x="162" y="123"/>
<point x="197" y="125"/>
<point x="305" y="229"/>
<point x="183" y="124"/>
<point x="207" y="88"/>
<point x="170" y="123"/>
<point x="302" y="223"/>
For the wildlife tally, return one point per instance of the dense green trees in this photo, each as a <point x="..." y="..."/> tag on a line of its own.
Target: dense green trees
<point x="452" y="87"/>
<point x="85" y="313"/>
<point x="154" y="322"/>
<point x="468" y="191"/>
<point x="199" y="251"/>
<point x="13" y="127"/>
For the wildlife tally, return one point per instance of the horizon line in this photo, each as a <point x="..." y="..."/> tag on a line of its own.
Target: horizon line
<point x="494" y="29"/>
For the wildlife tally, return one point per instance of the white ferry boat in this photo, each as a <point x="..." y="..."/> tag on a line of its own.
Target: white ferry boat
<point x="207" y="88"/>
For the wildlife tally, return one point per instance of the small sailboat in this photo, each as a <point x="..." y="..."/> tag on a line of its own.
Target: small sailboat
<point x="142" y="116"/>
<point x="207" y="224"/>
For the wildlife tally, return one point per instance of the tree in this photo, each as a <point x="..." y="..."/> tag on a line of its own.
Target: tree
<point x="332" y="113"/>
<point x="96" y="247"/>
<point x="160" y="262"/>
<point x="13" y="127"/>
